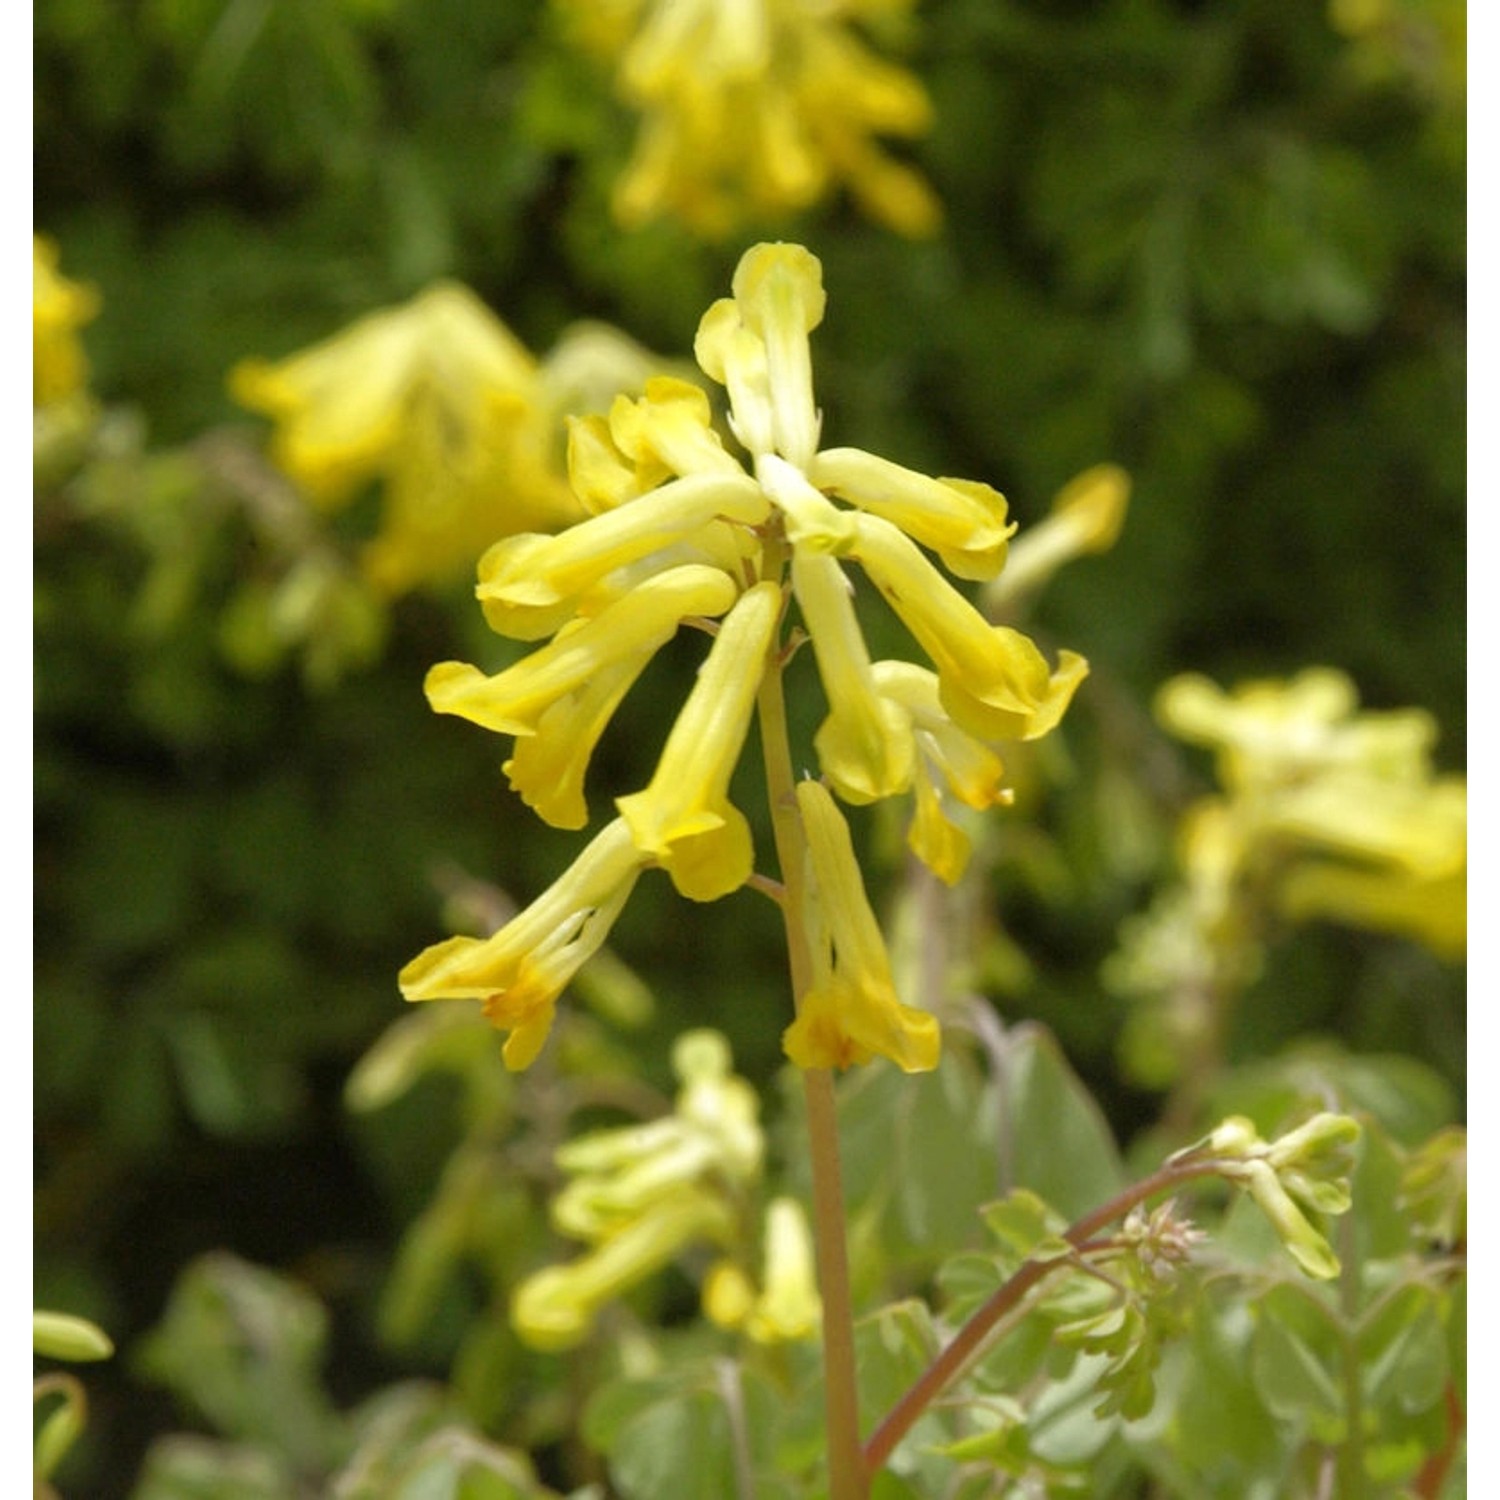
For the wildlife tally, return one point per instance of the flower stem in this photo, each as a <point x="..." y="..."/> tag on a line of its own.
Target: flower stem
<point x="949" y="1364"/>
<point x="846" y="1468"/>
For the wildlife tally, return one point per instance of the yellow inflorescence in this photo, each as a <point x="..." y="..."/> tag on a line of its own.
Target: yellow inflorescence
<point x="758" y="108"/>
<point x="680" y="530"/>
<point x="641" y="1196"/>
<point x="1337" y="809"/>
<point x="440" y="405"/>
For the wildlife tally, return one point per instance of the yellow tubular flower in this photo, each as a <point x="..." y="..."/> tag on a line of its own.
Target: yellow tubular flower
<point x="963" y="521"/>
<point x="59" y="308"/>
<point x="1086" y="517"/>
<point x="778" y="290"/>
<point x="994" y="681"/>
<point x="851" y="1012"/>
<point x="789" y="1308"/>
<point x="513" y="701"/>
<point x="530" y="584"/>
<point x="520" y="971"/>
<point x="865" y="744"/>
<point x="950" y="762"/>
<point x="555" y="1309"/>
<point x="684" y="819"/>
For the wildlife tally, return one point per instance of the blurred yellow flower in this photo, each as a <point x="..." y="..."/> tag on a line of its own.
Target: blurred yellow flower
<point x="1338" y="807"/>
<point x="758" y="108"/>
<point x="641" y="1195"/>
<point x="439" y="404"/>
<point x="59" y="308"/>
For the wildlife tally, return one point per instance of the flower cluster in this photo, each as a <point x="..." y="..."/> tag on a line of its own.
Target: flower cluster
<point x="1325" y="812"/>
<point x="758" y="108"/>
<point x="1338" y="810"/>
<point x="681" y="531"/>
<point x="643" y="1196"/>
<point x="439" y="403"/>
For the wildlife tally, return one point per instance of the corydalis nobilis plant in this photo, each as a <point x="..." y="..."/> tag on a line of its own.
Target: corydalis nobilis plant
<point x="681" y="531"/>
<point x="758" y="108"/>
<point x="441" y="404"/>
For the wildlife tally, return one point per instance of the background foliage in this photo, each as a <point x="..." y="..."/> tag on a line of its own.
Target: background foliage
<point x="1219" y="242"/>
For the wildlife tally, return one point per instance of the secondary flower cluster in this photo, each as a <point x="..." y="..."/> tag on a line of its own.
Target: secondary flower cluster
<point x="442" y="405"/>
<point x="758" y="108"/>
<point x="1338" y="809"/>
<point x="641" y="1196"/>
<point x="681" y="531"/>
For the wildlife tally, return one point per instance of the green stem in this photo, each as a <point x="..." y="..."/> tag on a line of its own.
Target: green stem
<point x="846" y="1468"/>
<point x="950" y="1364"/>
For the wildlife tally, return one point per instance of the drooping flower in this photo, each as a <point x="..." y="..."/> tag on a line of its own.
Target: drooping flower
<point x="758" y="108"/>
<point x="851" y="1012"/>
<point x="521" y="971"/>
<point x="684" y="819"/>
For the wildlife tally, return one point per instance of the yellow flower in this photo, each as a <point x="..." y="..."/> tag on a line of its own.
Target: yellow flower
<point x="59" y="308"/>
<point x="851" y="1012"/>
<point x="1086" y="516"/>
<point x="1337" y="809"/>
<point x="530" y="585"/>
<point x="787" y="1307"/>
<point x="438" y="403"/>
<point x="521" y="971"/>
<point x="641" y="1195"/>
<point x="632" y="627"/>
<point x="684" y="819"/>
<point x="865" y="744"/>
<point x="757" y="108"/>
<point x="951" y="764"/>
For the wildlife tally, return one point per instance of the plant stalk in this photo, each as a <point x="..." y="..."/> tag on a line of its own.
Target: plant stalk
<point x="847" y="1474"/>
<point x="950" y="1363"/>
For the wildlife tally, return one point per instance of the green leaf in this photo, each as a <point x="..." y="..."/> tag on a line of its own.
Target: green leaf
<point x="1060" y="1145"/>
<point x="1293" y="1362"/>
<point x="1402" y="1351"/>
<point x="692" y="1432"/>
